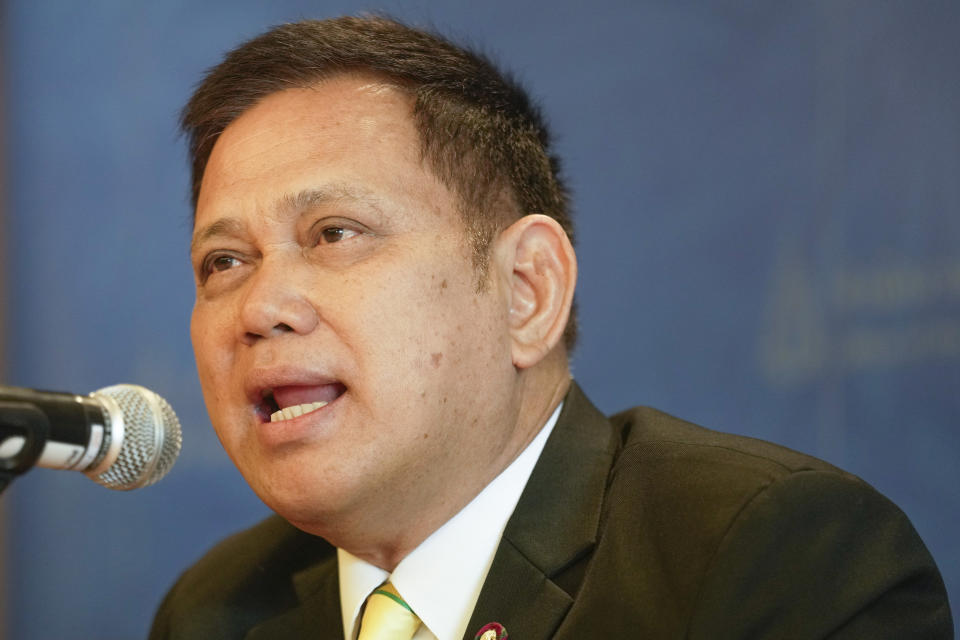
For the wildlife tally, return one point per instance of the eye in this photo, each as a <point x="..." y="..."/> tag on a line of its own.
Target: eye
<point x="217" y="262"/>
<point x="332" y="234"/>
<point x="222" y="263"/>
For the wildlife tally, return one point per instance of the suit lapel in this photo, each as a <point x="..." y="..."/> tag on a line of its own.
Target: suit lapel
<point x="553" y="527"/>
<point x="317" y="615"/>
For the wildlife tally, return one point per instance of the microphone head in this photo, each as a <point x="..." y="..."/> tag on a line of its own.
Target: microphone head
<point x="145" y="437"/>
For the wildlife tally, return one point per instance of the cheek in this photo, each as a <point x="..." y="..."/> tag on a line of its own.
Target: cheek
<point x="404" y="333"/>
<point x="212" y="355"/>
<point x="447" y="326"/>
<point x="198" y="327"/>
<point x="462" y="337"/>
<point x="206" y="334"/>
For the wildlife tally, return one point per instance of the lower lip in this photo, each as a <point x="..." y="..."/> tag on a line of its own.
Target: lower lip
<point x="301" y="428"/>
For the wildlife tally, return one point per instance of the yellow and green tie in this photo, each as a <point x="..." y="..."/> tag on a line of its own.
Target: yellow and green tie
<point x="387" y="617"/>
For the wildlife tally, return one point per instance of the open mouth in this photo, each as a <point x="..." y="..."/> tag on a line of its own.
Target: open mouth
<point x="293" y="401"/>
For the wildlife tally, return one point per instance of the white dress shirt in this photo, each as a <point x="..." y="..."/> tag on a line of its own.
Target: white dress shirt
<point x="441" y="579"/>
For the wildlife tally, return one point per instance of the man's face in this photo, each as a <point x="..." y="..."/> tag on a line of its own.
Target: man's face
<point x="331" y="266"/>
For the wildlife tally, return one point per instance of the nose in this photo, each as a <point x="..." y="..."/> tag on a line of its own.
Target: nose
<point x="274" y="303"/>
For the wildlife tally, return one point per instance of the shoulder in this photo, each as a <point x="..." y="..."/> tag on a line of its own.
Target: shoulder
<point x="688" y="476"/>
<point x="742" y="527"/>
<point x="675" y="462"/>
<point x="705" y="489"/>
<point x="244" y="579"/>
<point x="655" y="435"/>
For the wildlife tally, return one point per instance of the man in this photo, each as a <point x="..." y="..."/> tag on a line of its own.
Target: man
<point x="384" y="282"/>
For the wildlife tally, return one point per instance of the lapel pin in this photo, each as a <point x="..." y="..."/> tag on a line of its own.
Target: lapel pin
<point x="491" y="631"/>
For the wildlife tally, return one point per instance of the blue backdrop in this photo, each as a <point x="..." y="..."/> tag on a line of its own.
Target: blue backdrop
<point x="767" y="199"/>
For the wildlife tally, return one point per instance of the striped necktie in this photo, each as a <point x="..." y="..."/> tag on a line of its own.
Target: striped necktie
<point x="387" y="617"/>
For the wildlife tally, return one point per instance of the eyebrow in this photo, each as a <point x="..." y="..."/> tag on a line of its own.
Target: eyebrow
<point x="308" y="198"/>
<point x="290" y="204"/>
<point x="222" y="227"/>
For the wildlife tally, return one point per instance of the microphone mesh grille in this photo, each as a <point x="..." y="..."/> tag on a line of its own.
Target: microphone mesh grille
<point x="151" y="438"/>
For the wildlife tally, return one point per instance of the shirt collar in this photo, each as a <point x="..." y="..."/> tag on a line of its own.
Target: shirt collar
<point x="441" y="579"/>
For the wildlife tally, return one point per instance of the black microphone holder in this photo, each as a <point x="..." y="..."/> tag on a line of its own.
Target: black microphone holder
<point x="24" y="420"/>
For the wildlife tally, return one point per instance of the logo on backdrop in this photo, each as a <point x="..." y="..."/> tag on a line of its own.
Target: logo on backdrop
<point x="858" y="318"/>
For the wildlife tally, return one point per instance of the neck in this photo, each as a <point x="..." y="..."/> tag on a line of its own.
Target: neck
<point x="538" y="391"/>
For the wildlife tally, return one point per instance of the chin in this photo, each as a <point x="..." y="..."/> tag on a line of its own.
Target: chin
<point x="305" y="500"/>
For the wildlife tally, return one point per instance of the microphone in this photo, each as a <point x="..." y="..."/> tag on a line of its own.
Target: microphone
<point x="123" y="437"/>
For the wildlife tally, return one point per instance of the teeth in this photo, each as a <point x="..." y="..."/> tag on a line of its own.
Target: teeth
<point x="296" y="410"/>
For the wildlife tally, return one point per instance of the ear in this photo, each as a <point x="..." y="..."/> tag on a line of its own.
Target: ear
<point x="539" y="269"/>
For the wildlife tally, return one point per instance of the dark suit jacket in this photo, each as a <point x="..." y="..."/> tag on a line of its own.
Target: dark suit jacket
<point x="638" y="526"/>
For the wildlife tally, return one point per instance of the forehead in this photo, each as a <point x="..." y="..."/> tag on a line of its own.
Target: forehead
<point x="348" y="132"/>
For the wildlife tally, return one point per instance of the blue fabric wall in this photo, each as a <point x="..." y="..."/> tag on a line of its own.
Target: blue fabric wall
<point x="768" y="210"/>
